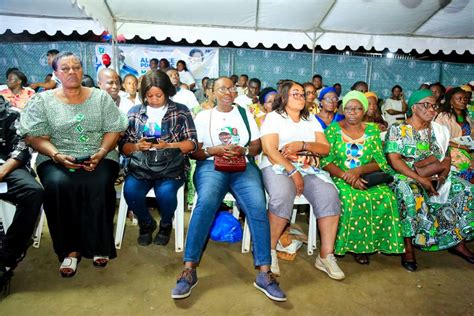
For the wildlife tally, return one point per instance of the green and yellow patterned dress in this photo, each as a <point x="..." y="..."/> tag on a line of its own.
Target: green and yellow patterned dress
<point x="369" y="218"/>
<point x="434" y="223"/>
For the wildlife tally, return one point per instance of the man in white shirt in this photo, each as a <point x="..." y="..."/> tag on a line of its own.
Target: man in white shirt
<point x="109" y="81"/>
<point x="182" y="96"/>
<point x="251" y="97"/>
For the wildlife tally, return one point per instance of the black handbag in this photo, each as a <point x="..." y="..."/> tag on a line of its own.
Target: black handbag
<point x="155" y="164"/>
<point x="376" y="178"/>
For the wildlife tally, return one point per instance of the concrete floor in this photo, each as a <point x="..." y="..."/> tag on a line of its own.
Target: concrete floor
<point x="140" y="280"/>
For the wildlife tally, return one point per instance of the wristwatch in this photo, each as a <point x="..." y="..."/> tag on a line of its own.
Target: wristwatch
<point x="206" y="152"/>
<point x="246" y="151"/>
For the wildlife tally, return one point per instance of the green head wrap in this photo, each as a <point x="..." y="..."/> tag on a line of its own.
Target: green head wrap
<point x="355" y="95"/>
<point x="416" y="97"/>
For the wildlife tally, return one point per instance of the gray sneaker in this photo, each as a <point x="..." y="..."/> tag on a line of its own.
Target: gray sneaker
<point x="329" y="265"/>
<point x="267" y="283"/>
<point x="187" y="280"/>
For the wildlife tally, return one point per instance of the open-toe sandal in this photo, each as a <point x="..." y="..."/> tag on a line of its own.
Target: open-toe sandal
<point x="100" y="261"/>
<point x="68" y="267"/>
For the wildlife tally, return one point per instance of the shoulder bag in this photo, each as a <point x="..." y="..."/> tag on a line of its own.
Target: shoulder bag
<point x="155" y="164"/>
<point x="429" y="166"/>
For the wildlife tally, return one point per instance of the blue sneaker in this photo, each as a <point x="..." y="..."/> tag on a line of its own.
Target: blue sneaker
<point x="187" y="280"/>
<point x="267" y="283"/>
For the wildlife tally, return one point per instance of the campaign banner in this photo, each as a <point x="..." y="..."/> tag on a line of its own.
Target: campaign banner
<point x="135" y="59"/>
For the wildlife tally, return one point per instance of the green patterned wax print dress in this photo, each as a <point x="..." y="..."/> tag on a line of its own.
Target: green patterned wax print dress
<point x="369" y="219"/>
<point x="434" y="223"/>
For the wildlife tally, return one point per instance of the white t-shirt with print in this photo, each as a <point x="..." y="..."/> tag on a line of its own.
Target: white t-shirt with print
<point x="288" y="131"/>
<point x="152" y="127"/>
<point x="225" y="128"/>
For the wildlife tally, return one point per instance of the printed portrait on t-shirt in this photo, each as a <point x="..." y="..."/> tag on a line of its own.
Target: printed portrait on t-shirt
<point x="229" y="136"/>
<point x="152" y="129"/>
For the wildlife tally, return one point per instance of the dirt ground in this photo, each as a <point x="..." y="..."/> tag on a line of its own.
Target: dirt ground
<point x="140" y="280"/>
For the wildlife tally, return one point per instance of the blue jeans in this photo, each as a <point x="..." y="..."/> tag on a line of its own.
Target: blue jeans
<point x="135" y="191"/>
<point x="211" y="187"/>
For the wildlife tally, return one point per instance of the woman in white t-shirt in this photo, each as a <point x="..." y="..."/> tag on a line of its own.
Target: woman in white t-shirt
<point x="185" y="75"/>
<point x="227" y="131"/>
<point x="292" y="140"/>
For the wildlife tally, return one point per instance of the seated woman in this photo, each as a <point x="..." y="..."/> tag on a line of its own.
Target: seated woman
<point x="16" y="93"/>
<point x="310" y="95"/>
<point x="265" y="103"/>
<point x="369" y="215"/>
<point x="292" y="139"/>
<point x="328" y="113"/>
<point x="372" y="115"/>
<point x="209" y="101"/>
<point x="453" y="114"/>
<point x="75" y="130"/>
<point x="436" y="211"/>
<point x="158" y="123"/>
<point x="227" y="132"/>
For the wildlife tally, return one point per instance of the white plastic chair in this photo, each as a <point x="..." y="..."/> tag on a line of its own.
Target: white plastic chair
<point x="312" y="234"/>
<point x="178" y="220"/>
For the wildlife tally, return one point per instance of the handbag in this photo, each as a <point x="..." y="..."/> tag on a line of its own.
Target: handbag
<point x="376" y="178"/>
<point x="226" y="228"/>
<point x="155" y="164"/>
<point x="235" y="164"/>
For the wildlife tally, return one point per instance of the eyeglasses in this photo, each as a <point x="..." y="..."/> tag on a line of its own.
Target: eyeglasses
<point x="297" y="95"/>
<point x="68" y="69"/>
<point x="355" y="110"/>
<point x="333" y="99"/>
<point x="227" y="90"/>
<point x="428" y="105"/>
<point x="310" y="92"/>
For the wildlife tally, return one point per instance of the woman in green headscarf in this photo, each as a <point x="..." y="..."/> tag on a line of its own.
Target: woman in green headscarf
<point x="369" y="219"/>
<point x="437" y="211"/>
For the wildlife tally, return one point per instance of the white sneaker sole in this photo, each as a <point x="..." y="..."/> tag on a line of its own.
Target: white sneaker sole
<point x="321" y="267"/>
<point x="179" y="296"/>
<point x="278" y="299"/>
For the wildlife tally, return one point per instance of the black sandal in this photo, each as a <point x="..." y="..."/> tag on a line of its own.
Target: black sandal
<point x="361" y="258"/>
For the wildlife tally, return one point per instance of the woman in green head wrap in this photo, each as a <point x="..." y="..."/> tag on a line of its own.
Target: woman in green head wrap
<point x="369" y="221"/>
<point x="437" y="207"/>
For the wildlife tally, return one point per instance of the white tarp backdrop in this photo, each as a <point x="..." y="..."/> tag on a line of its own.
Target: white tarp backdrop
<point x="434" y="25"/>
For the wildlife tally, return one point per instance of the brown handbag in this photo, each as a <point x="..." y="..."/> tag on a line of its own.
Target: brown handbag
<point x="235" y="164"/>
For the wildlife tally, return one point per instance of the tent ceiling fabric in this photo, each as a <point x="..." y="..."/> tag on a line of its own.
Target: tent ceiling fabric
<point x="434" y="25"/>
<point x="50" y="16"/>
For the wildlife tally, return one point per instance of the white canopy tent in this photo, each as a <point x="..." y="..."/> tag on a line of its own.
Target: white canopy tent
<point x="381" y="24"/>
<point x="444" y="25"/>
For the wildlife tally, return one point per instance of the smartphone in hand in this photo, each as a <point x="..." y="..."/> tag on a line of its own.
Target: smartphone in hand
<point x="152" y="140"/>
<point x="81" y="159"/>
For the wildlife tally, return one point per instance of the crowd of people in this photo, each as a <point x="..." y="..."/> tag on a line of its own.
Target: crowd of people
<point x="382" y="176"/>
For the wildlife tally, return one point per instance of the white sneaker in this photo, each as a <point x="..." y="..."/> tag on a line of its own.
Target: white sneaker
<point x="329" y="266"/>
<point x="275" y="267"/>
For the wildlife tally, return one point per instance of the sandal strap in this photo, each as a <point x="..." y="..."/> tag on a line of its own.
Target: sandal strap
<point x="69" y="263"/>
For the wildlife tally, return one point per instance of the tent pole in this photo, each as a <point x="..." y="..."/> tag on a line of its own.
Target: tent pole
<point x="313" y="56"/>
<point x="115" y="50"/>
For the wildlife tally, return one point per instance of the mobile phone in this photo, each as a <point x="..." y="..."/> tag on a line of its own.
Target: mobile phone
<point x="152" y="140"/>
<point x="81" y="159"/>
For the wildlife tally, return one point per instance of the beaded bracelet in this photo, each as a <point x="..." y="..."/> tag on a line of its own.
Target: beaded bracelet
<point x="292" y="172"/>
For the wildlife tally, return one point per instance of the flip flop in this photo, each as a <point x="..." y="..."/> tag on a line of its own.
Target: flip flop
<point x="69" y="263"/>
<point x="100" y="261"/>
